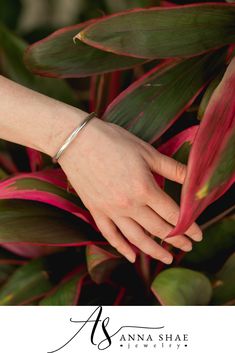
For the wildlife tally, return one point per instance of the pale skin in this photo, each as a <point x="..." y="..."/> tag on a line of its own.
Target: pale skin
<point x="110" y="169"/>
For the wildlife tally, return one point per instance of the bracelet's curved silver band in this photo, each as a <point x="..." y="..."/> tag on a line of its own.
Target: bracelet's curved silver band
<point x="72" y="136"/>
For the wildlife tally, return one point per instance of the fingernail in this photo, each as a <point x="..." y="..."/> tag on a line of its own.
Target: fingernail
<point x="131" y="257"/>
<point x="167" y="259"/>
<point x="199" y="238"/>
<point x="187" y="247"/>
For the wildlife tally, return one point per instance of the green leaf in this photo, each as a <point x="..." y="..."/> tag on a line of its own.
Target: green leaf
<point x="58" y="56"/>
<point x="36" y="223"/>
<point x="225" y="170"/>
<point x="3" y="174"/>
<point x="101" y="262"/>
<point x="224" y="286"/>
<point x="121" y="5"/>
<point x="5" y="271"/>
<point x="67" y="292"/>
<point x="218" y="240"/>
<point x="12" y="50"/>
<point x="27" y="282"/>
<point x="10" y="12"/>
<point x="150" y="105"/>
<point x="207" y="95"/>
<point x="181" y="286"/>
<point x="180" y="31"/>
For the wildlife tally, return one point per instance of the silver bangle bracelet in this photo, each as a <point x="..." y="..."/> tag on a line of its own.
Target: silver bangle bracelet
<point x="71" y="137"/>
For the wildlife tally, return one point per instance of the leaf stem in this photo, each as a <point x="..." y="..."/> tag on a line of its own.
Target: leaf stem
<point x="217" y="218"/>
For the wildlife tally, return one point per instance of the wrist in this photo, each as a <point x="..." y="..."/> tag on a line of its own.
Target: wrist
<point x="85" y="142"/>
<point x="65" y="122"/>
<point x="72" y="136"/>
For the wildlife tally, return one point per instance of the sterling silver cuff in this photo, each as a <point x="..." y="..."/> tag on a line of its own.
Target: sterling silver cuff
<point x="71" y="137"/>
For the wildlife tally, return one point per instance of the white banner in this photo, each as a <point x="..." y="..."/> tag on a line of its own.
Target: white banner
<point x="117" y="329"/>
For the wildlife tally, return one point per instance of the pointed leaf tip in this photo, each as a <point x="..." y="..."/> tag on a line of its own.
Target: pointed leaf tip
<point x="211" y="166"/>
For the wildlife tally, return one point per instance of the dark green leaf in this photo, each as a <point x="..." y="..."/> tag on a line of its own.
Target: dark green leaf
<point x="58" y="56"/>
<point x="3" y="174"/>
<point x="151" y="104"/>
<point x="121" y="5"/>
<point x="27" y="282"/>
<point x="67" y="292"/>
<point x="12" y="49"/>
<point x="180" y="31"/>
<point x="5" y="271"/>
<point x="218" y="240"/>
<point x="10" y="12"/>
<point x="224" y="286"/>
<point x="207" y="95"/>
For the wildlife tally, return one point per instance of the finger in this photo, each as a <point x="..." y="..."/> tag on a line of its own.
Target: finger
<point x="135" y="234"/>
<point x="114" y="236"/>
<point x="168" y="209"/>
<point x="156" y="226"/>
<point x="166" y="166"/>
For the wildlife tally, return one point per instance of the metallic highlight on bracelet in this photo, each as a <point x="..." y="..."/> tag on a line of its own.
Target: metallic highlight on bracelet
<point x="71" y="137"/>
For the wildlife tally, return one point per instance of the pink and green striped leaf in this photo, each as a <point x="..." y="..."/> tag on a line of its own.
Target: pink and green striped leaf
<point x="150" y="105"/>
<point x="24" y="223"/>
<point x="68" y="291"/>
<point x="47" y="187"/>
<point x="163" y="32"/>
<point x="172" y="146"/>
<point x="211" y="167"/>
<point x="101" y="262"/>
<point x="58" y="56"/>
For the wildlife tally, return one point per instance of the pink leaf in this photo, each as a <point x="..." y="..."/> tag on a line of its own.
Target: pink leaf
<point x="211" y="164"/>
<point x="35" y="159"/>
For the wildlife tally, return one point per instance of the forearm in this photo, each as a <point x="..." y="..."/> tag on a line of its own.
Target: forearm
<point x="34" y="120"/>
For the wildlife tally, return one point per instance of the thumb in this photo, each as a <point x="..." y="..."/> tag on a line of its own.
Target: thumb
<point x="167" y="167"/>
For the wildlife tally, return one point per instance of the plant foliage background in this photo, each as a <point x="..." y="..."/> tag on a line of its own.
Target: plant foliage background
<point x="174" y="87"/>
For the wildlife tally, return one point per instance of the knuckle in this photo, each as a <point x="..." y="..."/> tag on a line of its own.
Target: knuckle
<point x="141" y="188"/>
<point x="173" y="216"/>
<point x="160" y="233"/>
<point x="148" y="147"/>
